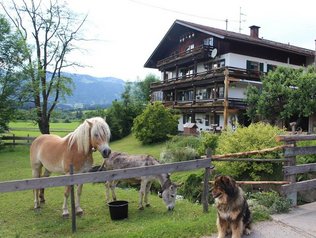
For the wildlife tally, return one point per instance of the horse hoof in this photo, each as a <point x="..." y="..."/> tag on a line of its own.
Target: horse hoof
<point x="148" y="205"/>
<point x="37" y="209"/>
<point x="42" y="201"/>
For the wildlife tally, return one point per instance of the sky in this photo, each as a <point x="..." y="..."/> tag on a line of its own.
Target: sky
<point x="124" y="33"/>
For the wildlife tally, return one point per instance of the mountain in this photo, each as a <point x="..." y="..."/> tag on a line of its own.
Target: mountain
<point x="92" y="91"/>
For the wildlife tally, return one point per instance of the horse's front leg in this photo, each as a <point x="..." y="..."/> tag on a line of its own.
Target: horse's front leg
<point x="65" y="205"/>
<point x="79" y="211"/>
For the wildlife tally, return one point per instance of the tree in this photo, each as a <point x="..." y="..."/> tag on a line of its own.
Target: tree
<point x="12" y="55"/>
<point x="48" y="29"/>
<point x="155" y="124"/>
<point x="285" y="93"/>
<point x="121" y="114"/>
<point x="142" y="88"/>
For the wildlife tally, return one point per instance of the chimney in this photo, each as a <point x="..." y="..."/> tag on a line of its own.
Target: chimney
<point x="254" y="31"/>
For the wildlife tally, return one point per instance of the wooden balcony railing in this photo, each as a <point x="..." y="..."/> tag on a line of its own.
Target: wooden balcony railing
<point x="232" y="72"/>
<point x="183" y="54"/>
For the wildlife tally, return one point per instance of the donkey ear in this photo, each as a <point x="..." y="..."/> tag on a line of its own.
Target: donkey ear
<point x="178" y="184"/>
<point x="104" y="118"/>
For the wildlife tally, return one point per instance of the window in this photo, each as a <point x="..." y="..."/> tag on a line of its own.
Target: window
<point x="185" y="95"/>
<point x="186" y="118"/>
<point x="271" y="67"/>
<point x="255" y="66"/>
<point x="216" y="119"/>
<point x="214" y="64"/>
<point x="209" y="41"/>
<point x="186" y="72"/>
<point x="220" y="91"/>
<point x="157" y="96"/>
<point x="201" y="94"/>
<point x="189" y="48"/>
<point x="207" y="120"/>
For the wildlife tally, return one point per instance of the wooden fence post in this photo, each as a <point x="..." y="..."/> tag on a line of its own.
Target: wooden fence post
<point x="291" y="161"/>
<point x="13" y="139"/>
<point x="206" y="191"/>
<point x="72" y="199"/>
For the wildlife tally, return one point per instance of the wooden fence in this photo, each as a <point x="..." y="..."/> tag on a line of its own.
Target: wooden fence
<point x="291" y="169"/>
<point x="289" y="186"/>
<point x="17" y="140"/>
<point x="37" y="183"/>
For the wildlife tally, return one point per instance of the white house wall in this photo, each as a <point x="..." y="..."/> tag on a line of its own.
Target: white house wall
<point x="240" y="61"/>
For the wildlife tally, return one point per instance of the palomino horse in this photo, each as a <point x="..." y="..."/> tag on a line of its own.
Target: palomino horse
<point x="56" y="154"/>
<point x="118" y="160"/>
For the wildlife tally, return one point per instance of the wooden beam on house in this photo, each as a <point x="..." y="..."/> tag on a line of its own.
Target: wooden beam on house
<point x="226" y="103"/>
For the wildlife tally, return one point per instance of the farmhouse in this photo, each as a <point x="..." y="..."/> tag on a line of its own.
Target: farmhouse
<point x="205" y="72"/>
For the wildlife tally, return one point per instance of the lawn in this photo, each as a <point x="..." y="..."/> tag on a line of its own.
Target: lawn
<point x="18" y="219"/>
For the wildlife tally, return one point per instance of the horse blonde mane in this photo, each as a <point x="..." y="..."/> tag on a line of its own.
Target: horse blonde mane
<point x="81" y="135"/>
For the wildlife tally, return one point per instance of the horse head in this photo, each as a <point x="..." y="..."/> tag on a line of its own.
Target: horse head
<point x="99" y="135"/>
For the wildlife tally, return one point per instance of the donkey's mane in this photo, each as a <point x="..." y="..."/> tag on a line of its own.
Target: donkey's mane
<point x="81" y="135"/>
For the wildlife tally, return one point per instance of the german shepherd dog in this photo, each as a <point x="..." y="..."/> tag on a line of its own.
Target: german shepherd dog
<point x="233" y="214"/>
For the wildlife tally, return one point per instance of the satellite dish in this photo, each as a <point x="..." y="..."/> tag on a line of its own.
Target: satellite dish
<point x="214" y="53"/>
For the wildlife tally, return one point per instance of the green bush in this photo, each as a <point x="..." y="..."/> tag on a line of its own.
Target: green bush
<point x="255" y="137"/>
<point x="272" y="201"/>
<point x="183" y="141"/>
<point x="258" y="211"/>
<point x="306" y="159"/>
<point x="180" y="148"/>
<point x="192" y="188"/>
<point x="207" y="140"/>
<point x="178" y="154"/>
<point x="155" y="124"/>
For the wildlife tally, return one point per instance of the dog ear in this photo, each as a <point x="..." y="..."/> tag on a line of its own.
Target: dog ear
<point x="229" y="185"/>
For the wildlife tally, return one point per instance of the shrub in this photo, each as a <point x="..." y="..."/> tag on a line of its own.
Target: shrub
<point x="192" y="188"/>
<point x="178" y="154"/>
<point x="306" y="159"/>
<point x="258" y="211"/>
<point x="255" y="137"/>
<point x="180" y="148"/>
<point x="272" y="201"/>
<point x="155" y="124"/>
<point x="207" y="140"/>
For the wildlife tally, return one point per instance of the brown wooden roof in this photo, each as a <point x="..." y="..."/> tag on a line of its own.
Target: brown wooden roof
<point x="178" y="27"/>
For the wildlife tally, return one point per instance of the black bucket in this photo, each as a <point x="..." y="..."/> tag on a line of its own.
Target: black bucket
<point x="118" y="210"/>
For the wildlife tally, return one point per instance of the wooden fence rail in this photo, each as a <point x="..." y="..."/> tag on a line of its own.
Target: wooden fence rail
<point x="17" y="140"/>
<point x="65" y="180"/>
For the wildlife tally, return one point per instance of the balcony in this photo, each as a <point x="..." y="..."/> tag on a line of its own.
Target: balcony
<point x="217" y="74"/>
<point x="202" y="49"/>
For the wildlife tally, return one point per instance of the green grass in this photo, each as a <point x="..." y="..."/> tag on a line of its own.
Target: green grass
<point x="18" y="219"/>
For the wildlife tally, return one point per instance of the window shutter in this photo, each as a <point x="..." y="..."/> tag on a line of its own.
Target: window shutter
<point x="248" y="64"/>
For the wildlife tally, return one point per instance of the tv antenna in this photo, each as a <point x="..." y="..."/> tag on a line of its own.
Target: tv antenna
<point x="241" y="14"/>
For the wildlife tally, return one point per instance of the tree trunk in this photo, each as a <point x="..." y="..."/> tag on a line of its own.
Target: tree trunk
<point x="43" y="124"/>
